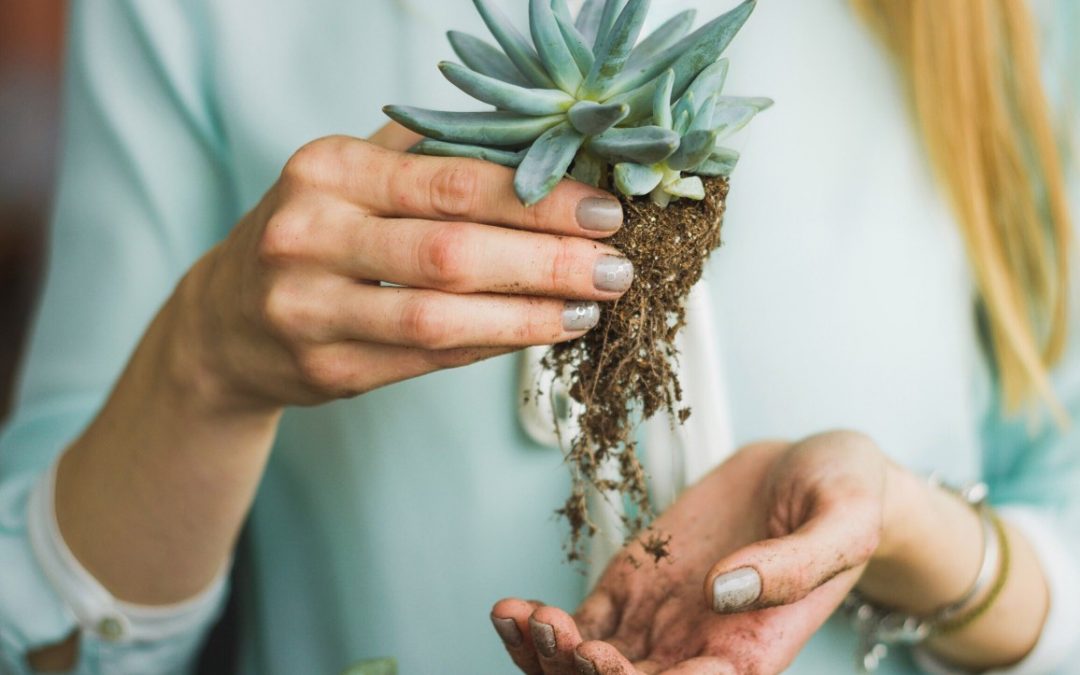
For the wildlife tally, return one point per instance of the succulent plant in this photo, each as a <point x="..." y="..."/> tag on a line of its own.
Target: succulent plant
<point x="585" y="96"/>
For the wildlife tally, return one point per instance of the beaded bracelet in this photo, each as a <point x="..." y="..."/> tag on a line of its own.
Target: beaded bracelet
<point x="879" y="628"/>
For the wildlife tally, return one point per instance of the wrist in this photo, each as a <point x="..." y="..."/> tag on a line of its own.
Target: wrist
<point x="907" y="499"/>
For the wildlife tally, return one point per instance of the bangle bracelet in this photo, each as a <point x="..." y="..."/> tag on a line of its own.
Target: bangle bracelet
<point x="879" y="628"/>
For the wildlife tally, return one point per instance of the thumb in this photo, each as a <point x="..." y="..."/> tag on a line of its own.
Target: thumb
<point x="786" y="569"/>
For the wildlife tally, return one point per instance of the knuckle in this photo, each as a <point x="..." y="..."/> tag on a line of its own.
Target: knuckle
<point x="317" y="161"/>
<point x="321" y="371"/>
<point x="537" y="326"/>
<point x="282" y="238"/>
<point x="445" y="254"/>
<point x="453" y="190"/>
<point x="424" y="325"/>
<point x="279" y="310"/>
<point x="564" y="256"/>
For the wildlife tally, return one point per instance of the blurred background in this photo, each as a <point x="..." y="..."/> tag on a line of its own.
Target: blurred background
<point x="31" y="44"/>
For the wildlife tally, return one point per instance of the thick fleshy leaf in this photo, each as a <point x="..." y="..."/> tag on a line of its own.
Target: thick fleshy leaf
<point x="562" y="10"/>
<point x="731" y="118"/>
<point x="690" y="187"/>
<point x="673" y="30"/>
<point x="643" y="145"/>
<point x="685" y="110"/>
<point x="660" y="197"/>
<point x="640" y="101"/>
<point x="505" y="96"/>
<point x="612" y="9"/>
<point x="691" y="55"/>
<point x="515" y="44"/>
<point x="485" y="59"/>
<point x="709" y="82"/>
<point x="613" y="48"/>
<point x="479" y="128"/>
<point x="588" y="19"/>
<point x="546" y="163"/>
<point x="721" y="162"/>
<point x="662" y="100"/>
<point x="703" y="118"/>
<point x="694" y="149"/>
<point x="758" y="103"/>
<point x="554" y="52"/>
<point x="592" y="119"/>
<point x="682" y="122"/>
<point x="578" y="45"/>
<point x="444" y="149"/>
<point x="588" y="169"/>
<point x="637" y="179"/>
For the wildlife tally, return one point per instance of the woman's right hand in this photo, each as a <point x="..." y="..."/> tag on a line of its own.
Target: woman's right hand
<point x="294" y="307"/>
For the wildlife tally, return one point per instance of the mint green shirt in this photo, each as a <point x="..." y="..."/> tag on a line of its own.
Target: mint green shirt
<point x="387" y="525"/>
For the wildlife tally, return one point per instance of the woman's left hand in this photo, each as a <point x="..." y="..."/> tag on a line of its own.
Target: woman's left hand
<point x="779" y="534"/>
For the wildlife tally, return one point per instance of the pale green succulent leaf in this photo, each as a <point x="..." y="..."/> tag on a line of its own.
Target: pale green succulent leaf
<point x="612" y="9"/>
<point x="691" y="55"/>
<point x="613" y="49"/>
<point x="668" y="34"/>
<point x="558" y="61"/>
<point x="562" y="10"/>
<point x="444" y="149"/>
<point x="643" y="145"/>
<point x="710" y="82"/>
<point x="758" y="103"/>
<point x="685" y="111"/>
<point x="660" y="197"/>
<point x="721" y="162"/>
<point x="690" y="187"/>
<point x="636" y="179"/>
<point x="731" y="118"/>
<point x="578" y="45"/>
<point x="478" y="128"/>
<point x="640" y="101"/>
<point x="682" y="122"/>
<point x="695" y="148"/>
<point x="504" y="96"/>
<point x="588" y="169"/>
<point x="703" y="118"/>
<point x="593" y="119"/>
<point x="515" y="44"/>
<point x="485" y="58"/>
<point x="588" y="19"/>
<point x="546" y="162"/>
<point x="662" y="100"/>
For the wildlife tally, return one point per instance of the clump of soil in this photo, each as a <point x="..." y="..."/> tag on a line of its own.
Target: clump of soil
<point x="623" y="370"/>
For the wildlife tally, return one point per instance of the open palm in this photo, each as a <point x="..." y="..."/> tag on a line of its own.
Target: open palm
<point x="794" y="524"/>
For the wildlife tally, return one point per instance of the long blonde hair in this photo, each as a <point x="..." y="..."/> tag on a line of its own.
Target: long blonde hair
<point x="972" y="67"/>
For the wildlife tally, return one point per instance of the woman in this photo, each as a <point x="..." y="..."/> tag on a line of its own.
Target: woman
<point x="386" y="525"/>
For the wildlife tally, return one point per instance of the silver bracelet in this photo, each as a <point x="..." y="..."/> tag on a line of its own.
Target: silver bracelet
<point x="880" y="628"/>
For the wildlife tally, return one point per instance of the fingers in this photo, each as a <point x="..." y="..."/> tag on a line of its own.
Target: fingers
<point x="704" y="665"/>
<point x="600" y="658"/>
<point x="393" y="136"/>
<point x="555" y="636"/>
<point x="436" y="188"/>
<point x="458" y="257"/>
<point x="438" y="321"/>
<point x="785" y="570"/>
<point x="598" y="616"/>
<point x="510" y="617"/>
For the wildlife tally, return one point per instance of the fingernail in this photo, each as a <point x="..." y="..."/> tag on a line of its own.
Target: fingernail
<point x="508" y="631"/>
<point x="736" y="590"/>
<point x="599" y="215"/>
<point x="543" y="636"/>
<point x="584" y="665"/>
<point x="613" y="273"/>
<point x="579" y="316"/>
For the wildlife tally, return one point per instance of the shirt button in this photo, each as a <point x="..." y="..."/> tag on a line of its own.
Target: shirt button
<point x="110" y="628"/>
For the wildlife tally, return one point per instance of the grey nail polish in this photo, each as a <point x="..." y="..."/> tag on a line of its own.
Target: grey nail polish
<point x="599" y="215"/>
<point x="579" y="316"/>
<point x="584" y="665"/>
<point x="735" y="590"/>
<point x="508" y="631"/>
<point x="613" y="273"/>
<point x="543" y="636"/>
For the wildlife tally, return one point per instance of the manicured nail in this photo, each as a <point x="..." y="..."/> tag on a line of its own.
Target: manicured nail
<point x="736" y="590"/>
<point x="508" y="631"/>
<point x="613" y="273"/>
<point x="578" y="316"/>
<point x="584" y="665"/>
<point x="543" y="635"/>
<point x="599" y="215"/>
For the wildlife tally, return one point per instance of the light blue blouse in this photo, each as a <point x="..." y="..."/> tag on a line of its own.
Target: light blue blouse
<point x="388" y="525"/>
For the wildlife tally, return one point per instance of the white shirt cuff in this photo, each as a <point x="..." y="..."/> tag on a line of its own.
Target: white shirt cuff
<point x="93" y="607"/>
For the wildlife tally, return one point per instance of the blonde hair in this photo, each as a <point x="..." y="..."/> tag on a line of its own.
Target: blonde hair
<point x="972" y="67"/>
